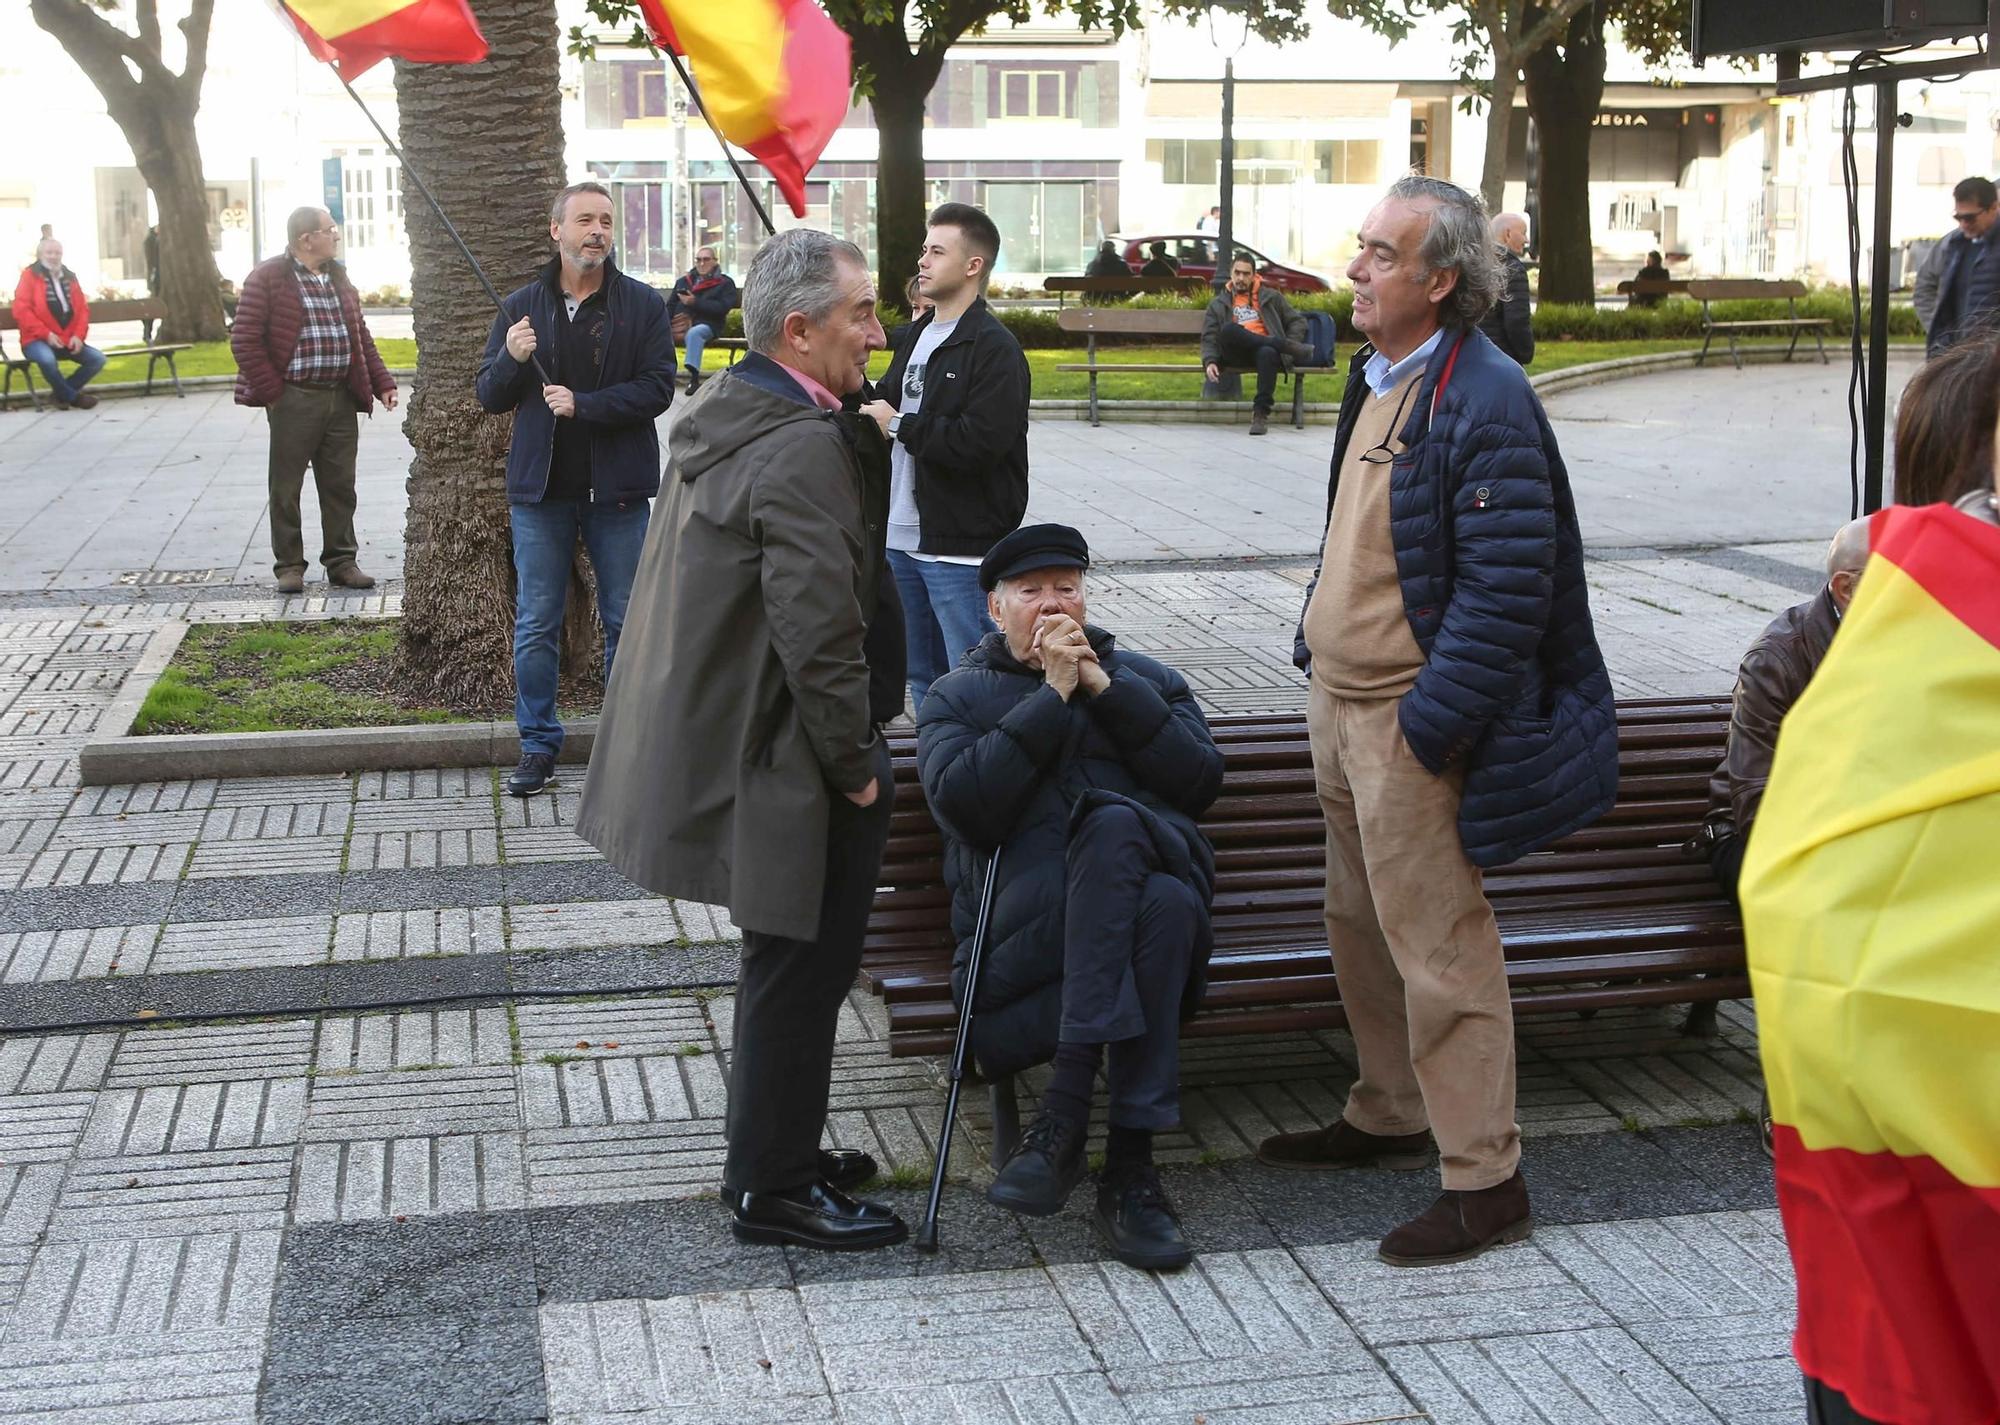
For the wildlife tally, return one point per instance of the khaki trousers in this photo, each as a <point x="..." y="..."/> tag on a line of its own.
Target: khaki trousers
<point x="1416" y="953"/>
<point x="317" y="426"/>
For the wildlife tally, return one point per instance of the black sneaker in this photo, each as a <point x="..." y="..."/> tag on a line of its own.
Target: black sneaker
<point x="1044" y="1170"/>
<point x="537" y="771"/>
<point x="1137" y="1222"/>
<point x="694" y="380"/>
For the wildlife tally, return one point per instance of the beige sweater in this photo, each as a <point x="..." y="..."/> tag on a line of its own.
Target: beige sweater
<point x="1356" y="629"/>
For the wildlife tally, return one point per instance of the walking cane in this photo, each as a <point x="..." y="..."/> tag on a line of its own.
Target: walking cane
<point x="927" y="1230"/>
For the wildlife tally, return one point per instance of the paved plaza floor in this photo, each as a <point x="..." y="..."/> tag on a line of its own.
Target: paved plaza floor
<point x="242" y="1179"/>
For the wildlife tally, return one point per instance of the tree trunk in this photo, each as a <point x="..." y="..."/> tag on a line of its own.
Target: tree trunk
<point x="903" y="81"/>
<point x="189" y="282"/>
<point x="488" y="139"/>
<point x="1565" y="87"/>
<point x="154" y="108"/>
<point x="1499" y="129"/>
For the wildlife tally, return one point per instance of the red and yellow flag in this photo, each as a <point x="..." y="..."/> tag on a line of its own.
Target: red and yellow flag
<point x="774" y="76"/>
<point x="1871" y="902"/>
<point x="354" y="34"/>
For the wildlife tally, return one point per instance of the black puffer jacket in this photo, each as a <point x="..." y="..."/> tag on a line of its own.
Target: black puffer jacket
<point x="1004" y="758"/>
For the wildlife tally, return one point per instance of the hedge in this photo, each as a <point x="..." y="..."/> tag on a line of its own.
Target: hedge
<point x="1035" y="327"/>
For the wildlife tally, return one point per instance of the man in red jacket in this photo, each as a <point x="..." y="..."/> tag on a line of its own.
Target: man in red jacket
<point x="50" y="310"/>
<point x="304" y="354"/>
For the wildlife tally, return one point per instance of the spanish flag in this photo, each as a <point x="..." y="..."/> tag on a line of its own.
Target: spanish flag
<point x="774" y="76"/>
<point x="353" y="35"/>
<point x="1871" y="902"/>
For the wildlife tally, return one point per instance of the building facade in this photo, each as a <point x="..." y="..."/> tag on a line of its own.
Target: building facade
<point x="1066" y="137"/>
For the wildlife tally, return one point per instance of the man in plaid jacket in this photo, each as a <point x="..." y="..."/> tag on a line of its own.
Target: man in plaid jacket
<point x="304" y="354"/>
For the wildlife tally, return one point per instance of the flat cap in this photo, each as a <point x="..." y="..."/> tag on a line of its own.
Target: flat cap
<point x="1035" y="546"/>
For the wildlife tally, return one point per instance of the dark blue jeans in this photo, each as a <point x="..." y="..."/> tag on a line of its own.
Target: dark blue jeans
<point x="544" y="542"/>
<point x="944" y="614"/>
<point x="89" y="362"/>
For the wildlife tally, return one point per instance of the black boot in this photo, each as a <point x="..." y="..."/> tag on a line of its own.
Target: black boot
<point x="1044" y="1170"/>
<point x="1138" y="1223"/>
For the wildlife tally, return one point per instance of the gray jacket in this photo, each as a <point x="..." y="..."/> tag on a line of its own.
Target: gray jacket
<point x="740" y="705"/>
<point x="1272" y="309"/>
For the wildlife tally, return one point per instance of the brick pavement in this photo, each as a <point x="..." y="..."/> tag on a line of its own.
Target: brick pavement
<point x="497" y="1206"/>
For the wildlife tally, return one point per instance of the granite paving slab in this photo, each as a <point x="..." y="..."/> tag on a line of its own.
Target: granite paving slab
<point x="1561" y="1378"/>
<point x="161" y="1286"/>
<point x="409" y="1177"/>
<point x="188" y="1378"/>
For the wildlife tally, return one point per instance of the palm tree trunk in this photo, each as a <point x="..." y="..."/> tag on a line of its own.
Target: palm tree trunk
<point x="488" y="139"/>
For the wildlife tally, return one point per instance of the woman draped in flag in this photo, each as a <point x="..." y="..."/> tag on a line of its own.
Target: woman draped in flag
<point x="1872" y="910"/>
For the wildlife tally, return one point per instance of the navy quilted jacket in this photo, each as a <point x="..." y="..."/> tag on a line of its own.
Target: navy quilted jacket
<point x="1004" y="759"/>
<point x="1513" y="686"/>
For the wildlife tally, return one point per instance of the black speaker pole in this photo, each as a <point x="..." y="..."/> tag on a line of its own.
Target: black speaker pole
<point x="1876" y="417"/>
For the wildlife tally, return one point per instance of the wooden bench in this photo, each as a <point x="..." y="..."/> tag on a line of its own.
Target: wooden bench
<point x="1121" y="286"/>
<point x="1614" y="915"/>
<point x="143" y="309"/>
<point x="1731" y="289"/>
<point x="1187" y="324"/>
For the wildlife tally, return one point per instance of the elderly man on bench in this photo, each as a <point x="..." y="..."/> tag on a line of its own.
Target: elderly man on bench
<point x="1082" y="767"/>
<point x="54" y="317"/>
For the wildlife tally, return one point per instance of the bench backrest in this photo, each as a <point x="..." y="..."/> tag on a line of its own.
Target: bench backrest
<point x="1730" y="289"/>
<point x="121" y="309"/>
<point x="1128" y="321"/>
<point x="1134" y="283"/>
<point x="1270" y="841"/>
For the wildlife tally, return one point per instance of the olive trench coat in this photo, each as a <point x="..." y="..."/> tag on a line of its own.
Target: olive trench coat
<point x="739" y="707"/>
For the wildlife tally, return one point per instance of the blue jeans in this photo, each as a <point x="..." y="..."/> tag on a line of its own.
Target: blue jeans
<point x="698" y="338"/>
<point x="544" y="541"/>
<point x="944" y="614"/>
<point x="89" y="362"/>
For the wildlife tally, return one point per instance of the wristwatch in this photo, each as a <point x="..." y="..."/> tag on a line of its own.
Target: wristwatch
<point x="895" y="424"/>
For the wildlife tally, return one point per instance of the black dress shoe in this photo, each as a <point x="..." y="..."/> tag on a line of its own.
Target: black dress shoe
<point x="1044" y="1170"/>
<point x="843" y="1168"/>
<point x="846" y="1168"/>
<point x="1139" y="1224"/>
<point x="816" y="1215"/>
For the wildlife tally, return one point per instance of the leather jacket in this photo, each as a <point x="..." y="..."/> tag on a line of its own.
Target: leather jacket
<point x="1775" y="671"/>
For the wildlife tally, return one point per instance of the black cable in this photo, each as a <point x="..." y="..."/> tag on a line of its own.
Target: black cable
<point x="1857" y="380"/>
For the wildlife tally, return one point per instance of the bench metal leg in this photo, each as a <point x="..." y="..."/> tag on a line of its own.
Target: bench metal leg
<point x="1735" y="352"/>
<point x="1819" y="338"/>
<point x="28" y="379"/>
<point x="1006" y="1118"/>
<point x="1700" y="1023"/>
<point x="175" y="372"/>
<point x="1090" y="355"/>
<point x="1298" y="401"/>
<point x="1707" y="336"/>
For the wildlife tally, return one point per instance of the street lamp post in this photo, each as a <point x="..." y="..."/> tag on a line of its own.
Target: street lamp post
<point x="1228" y="36"/>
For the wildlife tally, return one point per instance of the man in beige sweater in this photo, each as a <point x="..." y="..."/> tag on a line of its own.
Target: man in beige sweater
<point x="1460" y="714"/>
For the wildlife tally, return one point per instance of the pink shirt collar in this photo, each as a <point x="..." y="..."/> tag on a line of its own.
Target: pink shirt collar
<point x="821" y="397"/>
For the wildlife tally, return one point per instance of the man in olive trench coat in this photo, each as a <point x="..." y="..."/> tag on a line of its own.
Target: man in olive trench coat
<point x="739" y="760"/>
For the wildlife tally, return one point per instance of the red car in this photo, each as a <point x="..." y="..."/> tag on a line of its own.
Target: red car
<point x="1196" y="254"/>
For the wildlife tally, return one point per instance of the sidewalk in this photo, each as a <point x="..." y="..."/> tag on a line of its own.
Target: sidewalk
<point x="334" y="1209"/>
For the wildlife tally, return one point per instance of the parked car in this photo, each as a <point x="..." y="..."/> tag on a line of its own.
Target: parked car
<point x="1196" y="254"/>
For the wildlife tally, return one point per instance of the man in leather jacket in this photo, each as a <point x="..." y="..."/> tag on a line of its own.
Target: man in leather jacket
<point x="1774" y="673"/>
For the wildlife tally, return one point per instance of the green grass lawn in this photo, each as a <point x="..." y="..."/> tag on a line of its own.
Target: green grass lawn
<point x="289" y="677"/>
<point x="277" y="678"/>
<point x="213" y="359"/>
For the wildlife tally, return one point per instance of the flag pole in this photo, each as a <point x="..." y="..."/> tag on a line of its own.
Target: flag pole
<point x="694" y="96"/>
<point x="424" y="188"/>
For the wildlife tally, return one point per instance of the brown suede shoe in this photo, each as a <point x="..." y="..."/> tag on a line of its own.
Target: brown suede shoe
<point x="1345" y="1146"/>
<point x="349" y="576"/>
<point x="1461" y="1225"/>
<point x="85" y="401"/>
<point x="292" y="581"/>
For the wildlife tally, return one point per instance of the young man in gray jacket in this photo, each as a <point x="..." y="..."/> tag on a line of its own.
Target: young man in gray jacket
<point x="1251" y="324"/>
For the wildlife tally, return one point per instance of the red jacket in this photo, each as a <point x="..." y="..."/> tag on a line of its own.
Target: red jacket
<point x="269" y="316"/>
<point x="33" y="315"/>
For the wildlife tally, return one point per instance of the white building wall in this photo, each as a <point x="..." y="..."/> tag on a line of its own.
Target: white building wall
<point x="1769" y="203"/>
